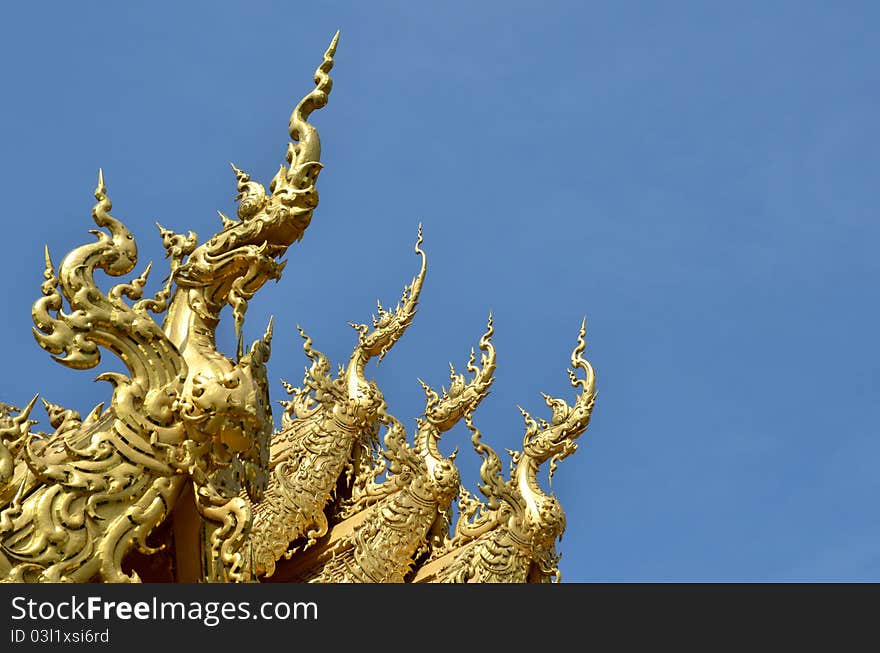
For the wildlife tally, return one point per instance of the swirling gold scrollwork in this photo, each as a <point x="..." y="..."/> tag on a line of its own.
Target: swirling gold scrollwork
<point x="185" y="465"/>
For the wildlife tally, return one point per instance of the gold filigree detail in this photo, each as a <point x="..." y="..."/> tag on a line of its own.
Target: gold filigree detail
<point x="511" y="537"/>
<point x="185" y="461"/>
<point x="326" y="424"/>
<point x="406" y="513"/>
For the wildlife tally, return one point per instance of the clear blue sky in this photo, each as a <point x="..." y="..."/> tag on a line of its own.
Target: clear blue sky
<point x="699" y="179"/>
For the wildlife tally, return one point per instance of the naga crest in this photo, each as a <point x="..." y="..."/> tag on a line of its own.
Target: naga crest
<point x="238" y="260"/>
<point x="183" y="476"/>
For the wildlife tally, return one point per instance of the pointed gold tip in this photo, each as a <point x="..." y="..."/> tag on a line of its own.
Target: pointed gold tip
<point x="331" y="50"/>
<point x="25" y="412"/>
<point x="19" y="493"/>
<point x="270" y="328"/>
<point x="226" y="220"/>
<point x="420" y="239"/>
<point x="101" y="190"/>
<point x="582" y="333"/>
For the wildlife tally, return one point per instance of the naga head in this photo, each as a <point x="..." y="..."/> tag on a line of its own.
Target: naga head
<point x="357" y="403"/>
<point x="446" y="409"/>
<point x="223" y="400"/>
<point x="365" y="400"/>
<point x="234" y="263"/>
<point x="556" y="440"/>
<point x="553" y="441"/>
<point x="532" y="518"/>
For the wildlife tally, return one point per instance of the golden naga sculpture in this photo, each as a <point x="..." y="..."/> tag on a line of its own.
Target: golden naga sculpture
<point x="184" y="476"/>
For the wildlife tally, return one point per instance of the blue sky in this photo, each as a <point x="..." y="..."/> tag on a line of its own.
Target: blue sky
<point x="698" y="179"/>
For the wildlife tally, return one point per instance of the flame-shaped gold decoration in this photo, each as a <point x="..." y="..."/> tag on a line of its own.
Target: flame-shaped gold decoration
<point x="183" y="477"/>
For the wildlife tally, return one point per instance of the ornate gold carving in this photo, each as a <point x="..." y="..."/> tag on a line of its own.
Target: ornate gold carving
<point x="511" y="537"/>
<point x="190" y="431"/>
<point x="406" y="512"/>
<point x="321" y="424"/>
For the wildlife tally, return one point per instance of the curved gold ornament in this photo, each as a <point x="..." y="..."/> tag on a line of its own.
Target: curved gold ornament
<point x="511" y="537"/>
<point x="183" y="477"/>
